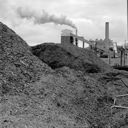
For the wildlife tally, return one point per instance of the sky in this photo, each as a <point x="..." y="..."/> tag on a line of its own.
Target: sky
<point x="39" y="21"/>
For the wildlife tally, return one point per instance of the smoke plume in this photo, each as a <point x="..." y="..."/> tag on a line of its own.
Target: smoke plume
<point x="44" y="17"/>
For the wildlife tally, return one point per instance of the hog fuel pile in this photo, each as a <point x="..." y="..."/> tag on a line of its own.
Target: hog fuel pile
<point x="54" y="86"/>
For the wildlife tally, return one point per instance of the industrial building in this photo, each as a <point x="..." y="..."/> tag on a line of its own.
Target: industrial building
<point x="68" y="38"/>
<point x="104" y="48"/>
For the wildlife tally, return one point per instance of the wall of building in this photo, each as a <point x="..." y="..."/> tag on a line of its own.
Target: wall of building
<point x="67" y="40"/>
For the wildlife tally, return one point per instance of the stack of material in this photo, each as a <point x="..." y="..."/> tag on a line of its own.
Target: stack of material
<point x="57" y="56"/>
<point x="32" y="95"/>
<point x="18" y="66"/>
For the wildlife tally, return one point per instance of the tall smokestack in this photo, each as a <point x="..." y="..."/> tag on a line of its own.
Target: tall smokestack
<point x="107" y="43"/>
<point x="107" y="31"/>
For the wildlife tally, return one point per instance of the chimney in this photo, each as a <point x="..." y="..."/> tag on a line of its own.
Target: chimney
<point x="107" y="31"/>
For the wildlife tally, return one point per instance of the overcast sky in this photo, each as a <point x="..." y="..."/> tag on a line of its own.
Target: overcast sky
<point x="89" y="16"/>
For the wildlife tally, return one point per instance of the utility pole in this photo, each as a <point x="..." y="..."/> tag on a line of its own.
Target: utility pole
<point x="126" y="42"/>
<point x="124" y="56"/>
<point x="83" y="44"/>
<point x="127" y="21"/>
<point x="121" y="57"/>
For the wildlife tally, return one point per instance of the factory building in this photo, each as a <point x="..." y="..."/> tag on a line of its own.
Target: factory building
<point x="68" y="38"/>
<point x="104" y="48"/>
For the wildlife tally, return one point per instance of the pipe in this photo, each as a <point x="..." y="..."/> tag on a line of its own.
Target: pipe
<point x="83" y="44"/>
<point x="76" y="40"/>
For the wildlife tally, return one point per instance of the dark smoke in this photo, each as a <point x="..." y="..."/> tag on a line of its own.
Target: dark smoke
<point x="44" y="17"/>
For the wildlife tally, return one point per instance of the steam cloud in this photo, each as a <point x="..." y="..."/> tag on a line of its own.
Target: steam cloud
<point x="44" y="17"/>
